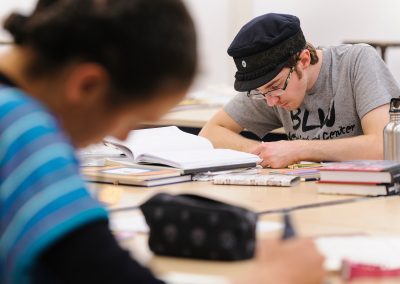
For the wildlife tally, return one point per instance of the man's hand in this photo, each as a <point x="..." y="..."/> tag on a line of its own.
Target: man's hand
<point x="294" y="261"/>
<point x="278" y="154"/>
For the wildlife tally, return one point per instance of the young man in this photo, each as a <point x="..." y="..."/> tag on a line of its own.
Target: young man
<point x="81" y="70"/>
<point x="332" y="103"/>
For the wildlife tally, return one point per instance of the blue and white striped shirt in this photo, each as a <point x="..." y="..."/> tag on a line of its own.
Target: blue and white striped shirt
<point x="42" y="196"/>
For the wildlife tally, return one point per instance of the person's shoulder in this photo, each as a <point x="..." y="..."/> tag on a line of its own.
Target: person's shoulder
<point x="363" y="49"/>
<point x="350" y="54"/>
<point x="11" y="97"/>
<point x="14" y="99"/>
<point x="359" y="50"/>
<point x="10" y="94"/>
<point x="20" y="111"/>
<point x="352" y="49"/>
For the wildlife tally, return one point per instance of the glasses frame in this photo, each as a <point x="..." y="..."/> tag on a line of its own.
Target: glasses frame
<point x="257" y="95"/>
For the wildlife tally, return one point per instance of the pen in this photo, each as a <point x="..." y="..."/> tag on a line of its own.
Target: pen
<point x="128" y="208"/>
<point x="288" y="229"/>
<point x="302" y="166"/>
<point x="309" y="179"/>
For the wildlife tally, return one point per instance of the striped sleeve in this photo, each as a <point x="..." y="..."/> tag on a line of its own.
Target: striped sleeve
<point x="42" y="196"/>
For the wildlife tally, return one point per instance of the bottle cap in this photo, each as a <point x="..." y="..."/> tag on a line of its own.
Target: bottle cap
<point x="395" y="105"/>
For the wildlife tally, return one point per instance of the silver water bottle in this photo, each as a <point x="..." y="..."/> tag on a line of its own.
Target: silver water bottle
<point x="391" y="132"/>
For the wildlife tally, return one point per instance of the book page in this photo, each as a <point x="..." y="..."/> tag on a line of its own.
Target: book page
<point x="95" y="155"/>
<point x="161" y="139"/>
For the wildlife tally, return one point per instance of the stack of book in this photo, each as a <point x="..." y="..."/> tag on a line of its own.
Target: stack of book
<point x="363" y="177"/>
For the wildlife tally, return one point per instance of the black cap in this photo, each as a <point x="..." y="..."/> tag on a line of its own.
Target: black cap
<point x="262" y="48"/>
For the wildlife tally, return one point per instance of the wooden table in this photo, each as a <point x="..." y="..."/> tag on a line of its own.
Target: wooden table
<point x="196" y="117"/>
<point x="192" y="120"/>
<point x="377" y="216"/>
<point x="256" y="198"/>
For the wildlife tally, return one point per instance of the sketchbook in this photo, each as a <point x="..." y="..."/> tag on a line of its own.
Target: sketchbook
<point x="172" y="147"/>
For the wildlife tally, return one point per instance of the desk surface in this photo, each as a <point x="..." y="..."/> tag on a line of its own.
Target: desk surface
<point x="257" y="198"/>
<point x="195" y="117"/>
<point x="372" y="215"/>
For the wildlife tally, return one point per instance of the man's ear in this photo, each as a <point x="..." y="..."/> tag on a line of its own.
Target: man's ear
<point x="86" y="83"/>
<point x="305" y="59"/>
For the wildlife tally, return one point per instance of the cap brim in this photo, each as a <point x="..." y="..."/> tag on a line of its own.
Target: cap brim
<point x="244" y="86"/>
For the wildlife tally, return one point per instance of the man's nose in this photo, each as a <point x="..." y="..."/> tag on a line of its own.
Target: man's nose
<point x="271" y="101"/>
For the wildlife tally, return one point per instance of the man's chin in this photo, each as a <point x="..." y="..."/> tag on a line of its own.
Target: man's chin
<point x="286" y="107"/>
<point x="290" y="107"/>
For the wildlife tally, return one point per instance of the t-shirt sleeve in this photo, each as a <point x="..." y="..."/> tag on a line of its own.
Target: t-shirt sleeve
<point x="253" y="115"/>
<point x="373" y="84"/>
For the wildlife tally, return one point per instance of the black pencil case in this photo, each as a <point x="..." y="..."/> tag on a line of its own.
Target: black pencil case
<point x="192" y="226"/>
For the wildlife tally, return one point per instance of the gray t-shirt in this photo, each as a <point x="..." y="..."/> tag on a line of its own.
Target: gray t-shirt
<point x="353" y="80"/>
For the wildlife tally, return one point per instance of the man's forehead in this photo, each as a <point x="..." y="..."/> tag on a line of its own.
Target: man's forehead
<point x="274" y="80"/>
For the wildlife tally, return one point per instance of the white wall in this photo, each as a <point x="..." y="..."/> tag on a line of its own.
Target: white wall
<point x="332" y="22"/>
<point x="323" y="23"/>
<point x="217" y="22"/>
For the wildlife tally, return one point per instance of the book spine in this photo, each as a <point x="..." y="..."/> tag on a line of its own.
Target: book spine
<point x="394" y="172"/>
<point x="393" y="189"/>
<point x="395" y="176"/>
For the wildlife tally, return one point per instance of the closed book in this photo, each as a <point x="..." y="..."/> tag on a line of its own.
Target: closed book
<point x="361" y="256"/>
<point x="139" y="175"/>
<point x="175" y="148"/>
<point x="362" y="171"/>
<point x="365" y="189"/>
<point x="355" y="270"/>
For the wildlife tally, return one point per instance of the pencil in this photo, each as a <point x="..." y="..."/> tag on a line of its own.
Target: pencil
<point x="288" y="230"/>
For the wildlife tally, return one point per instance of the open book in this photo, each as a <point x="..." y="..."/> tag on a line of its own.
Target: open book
<point x="173" y="147"/>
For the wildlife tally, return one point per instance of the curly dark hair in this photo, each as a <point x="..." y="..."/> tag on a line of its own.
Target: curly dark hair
<point x="141" y="43"/>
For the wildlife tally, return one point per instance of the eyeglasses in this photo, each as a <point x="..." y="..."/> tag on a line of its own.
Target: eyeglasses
<point x="276" y="92"/>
